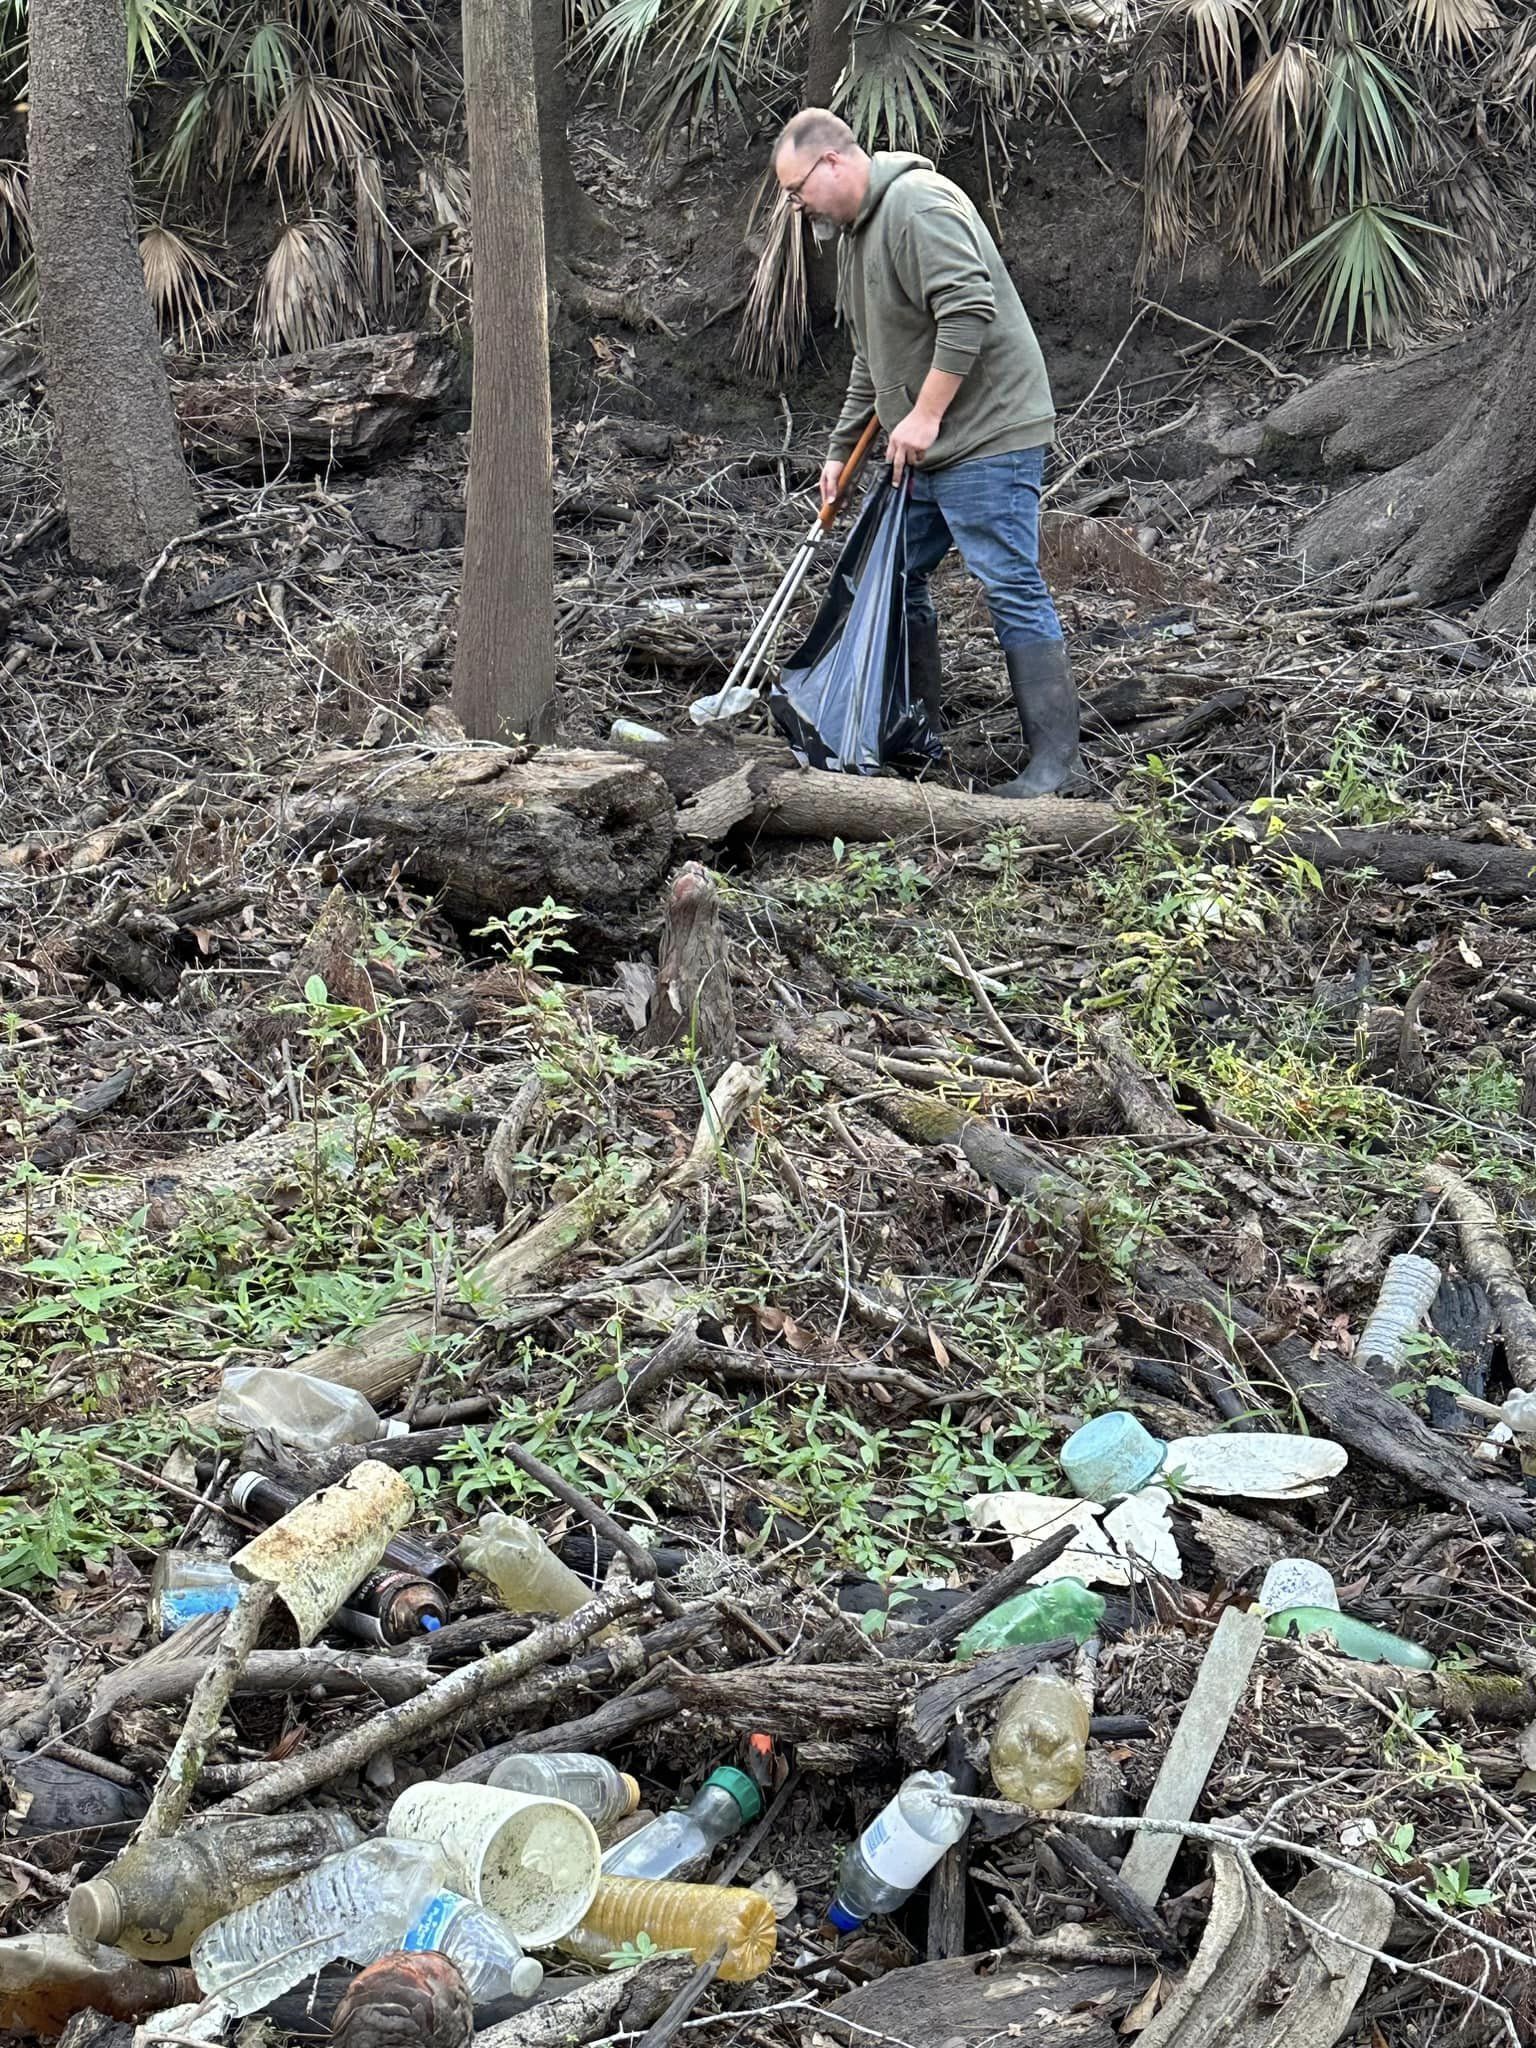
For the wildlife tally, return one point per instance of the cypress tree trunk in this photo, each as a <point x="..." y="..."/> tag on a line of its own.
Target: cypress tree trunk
<point x="504" y="670"/>
<point x="126" y="487"/>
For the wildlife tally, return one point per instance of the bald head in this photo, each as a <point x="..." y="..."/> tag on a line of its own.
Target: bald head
<point x="820" y="166"/>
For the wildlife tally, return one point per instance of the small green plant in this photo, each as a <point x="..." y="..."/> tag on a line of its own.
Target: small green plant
<point x="641" y="1950"/>
<point x="1450" y="1885"/>
<point x="1489" y="1088"/>
<point x="1359" y="784"/>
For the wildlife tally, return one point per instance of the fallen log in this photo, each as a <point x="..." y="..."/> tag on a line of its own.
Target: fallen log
<point x="1501" y="874"/>
<point x="493" y="829"/>
<point x="983" y="1998"/>
<point x="1489" y="1262"/>
<point x="345" y="403"/>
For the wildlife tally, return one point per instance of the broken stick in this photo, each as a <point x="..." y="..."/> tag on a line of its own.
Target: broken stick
<point x="1489" y="1262"/>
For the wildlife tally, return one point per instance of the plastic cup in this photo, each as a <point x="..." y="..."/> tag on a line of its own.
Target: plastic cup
<point x="1297" y="1582"/>
<point x="534" y="1862"/>
<point x="1110" y="1456"/>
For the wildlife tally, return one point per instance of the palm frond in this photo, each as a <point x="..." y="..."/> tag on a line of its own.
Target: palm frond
<point x="701" y="54"/>
<point x="155" y="27"/>
<point x="309" y="292"/>
<point x="273" y="58"/>
<point x="314" y="129"/>
<point x="1479" y="258"/>
<point x="1451" y="28"/>
<point x="372" y="47"/>
<point x="1212" y="34"/>
<point x="776" y="320"/>
<point x="1261" y="152"/>
<point x="375" y="241"/>
<point x="449" y="272"/>
<point x="15" y="216"/>
<point x="1167" y="187"/>
<point x="1366" y="117"/>
<point x="210" y="131"/>
<point x="1370" y="268"/>
<point x="1512" y="80"/>
<point x="908" y="65"/>
<point x="179" y="280"/>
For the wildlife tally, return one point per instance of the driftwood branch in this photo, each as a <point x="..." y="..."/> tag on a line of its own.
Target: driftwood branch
<point x="1488" y="1260"/>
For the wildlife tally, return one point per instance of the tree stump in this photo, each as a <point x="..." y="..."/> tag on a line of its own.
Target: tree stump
<point x="693" y="978"/>
<point x="491" y="829"/>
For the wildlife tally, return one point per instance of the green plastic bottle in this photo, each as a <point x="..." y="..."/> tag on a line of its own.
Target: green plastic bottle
<point x="1356" y="1639"/>
<point x="1063" y="1608"/>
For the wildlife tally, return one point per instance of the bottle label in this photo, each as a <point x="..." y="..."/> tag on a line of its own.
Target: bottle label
<point x="432" y="1922"/>
<point x="177" y="1609"/>
<point x="896" y="1853"/>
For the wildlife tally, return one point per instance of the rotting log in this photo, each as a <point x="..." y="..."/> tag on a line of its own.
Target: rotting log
<point x="693" y="1001"/>
<point x="973" y="1999"/>
<point x="346" y="403"/>
<point x="493" y="829"/>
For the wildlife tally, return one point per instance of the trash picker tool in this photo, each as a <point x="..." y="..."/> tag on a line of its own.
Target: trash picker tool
<point x="737" y="692"/>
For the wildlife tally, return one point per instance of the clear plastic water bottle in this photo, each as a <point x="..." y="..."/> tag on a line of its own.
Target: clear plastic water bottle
<point x="485" y="1953"/>
<point x="589" y="1783"/>
<point x="1039" y="1748"/>
<point x="299" y="1410"/>
<point x="527" y="1575"/>
<point x="1407" y="1292"/>
<point x="684" y="1838"/>
<point x="359" y="1904"/>
<point x="885" y="1866"/>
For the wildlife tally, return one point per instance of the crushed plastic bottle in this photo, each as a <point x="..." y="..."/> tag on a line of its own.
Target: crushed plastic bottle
<point x="1410" y="1286"/>
<point x="1063" y="1608"/>
<point x="693" y="1917"/>
<point x="885" y="1866"/>
<point x="1039" y="1746"/>
<point x="527" y="1576"/>
<point x="683" y="1840"/>
<point x="306" y="1413"/>
<point x="1356" y="1639"/>
<point x="45" y="1980"/>
<point x="589" y="1783"/>
<point x="266" y="1499"/>
<point x="359" y="1904"/>
<point x="185" y="1584"/>
<point x="158" y="1897"/>
<point x="481" y="1947"/>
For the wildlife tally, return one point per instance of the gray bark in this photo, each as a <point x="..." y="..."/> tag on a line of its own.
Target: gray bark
<point x="126" y="486"/>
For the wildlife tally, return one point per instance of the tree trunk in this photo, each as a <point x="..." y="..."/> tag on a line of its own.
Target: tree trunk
<point x="126" y="486"/>
<point x="570" y="218"/>
<point x="829" y="40"/>
<point x="1453" y="519"/>
<point x="504" y="671"/>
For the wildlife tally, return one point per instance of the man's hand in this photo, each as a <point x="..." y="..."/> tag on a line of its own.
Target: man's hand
<point x="910" y="439"/>
<point x="831" y="474"/>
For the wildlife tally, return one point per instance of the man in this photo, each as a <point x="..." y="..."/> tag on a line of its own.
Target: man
<point x="945" y="354"/>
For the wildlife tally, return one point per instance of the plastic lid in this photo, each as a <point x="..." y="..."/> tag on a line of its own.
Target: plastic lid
<point x="741" y="1789"/>
<point x="95" y="1912"/>
<point x="844" y="1921"/>
<point x="1111" y="1455"/>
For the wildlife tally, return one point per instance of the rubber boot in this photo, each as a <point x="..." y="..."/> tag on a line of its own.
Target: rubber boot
<point x="926" y="670"/>
<point x="1046" y="697"/>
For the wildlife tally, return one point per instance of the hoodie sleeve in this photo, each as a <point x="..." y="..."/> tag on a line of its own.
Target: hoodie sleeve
<point x="857" y="407"/>
<point x="940" y="265"/>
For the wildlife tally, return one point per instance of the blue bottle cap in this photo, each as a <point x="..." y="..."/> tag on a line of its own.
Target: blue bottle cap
<point x="844" y="1921"/>
<point x="430" y="1623"/>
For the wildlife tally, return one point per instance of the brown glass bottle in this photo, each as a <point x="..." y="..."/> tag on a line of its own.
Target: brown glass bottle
<point x="45" y="1980"/>
<point x="157" y="1898"/>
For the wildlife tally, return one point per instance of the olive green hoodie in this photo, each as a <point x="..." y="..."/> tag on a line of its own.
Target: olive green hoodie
<point x="921" y="283"/>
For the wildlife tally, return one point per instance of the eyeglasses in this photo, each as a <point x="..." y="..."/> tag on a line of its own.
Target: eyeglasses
<point x="792" y="192"/>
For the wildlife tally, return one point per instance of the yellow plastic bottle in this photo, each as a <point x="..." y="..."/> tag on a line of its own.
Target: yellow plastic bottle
<point x="1039" y="1746"/>
<point x="695" y="1917"/>
<point x="527" y="1575"/>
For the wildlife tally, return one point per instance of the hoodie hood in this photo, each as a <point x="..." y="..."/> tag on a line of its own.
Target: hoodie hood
<point x="885" y="167"/>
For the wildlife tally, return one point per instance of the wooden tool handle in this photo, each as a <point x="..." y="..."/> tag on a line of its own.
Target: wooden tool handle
<point x="849" y="471"/>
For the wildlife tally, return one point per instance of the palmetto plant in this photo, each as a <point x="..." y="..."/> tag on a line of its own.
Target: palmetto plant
<point x="1364" y="149"/>
<point x="300" y="95"/>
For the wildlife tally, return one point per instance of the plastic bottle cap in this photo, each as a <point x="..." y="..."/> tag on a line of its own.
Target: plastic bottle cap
<point x="95" y="1912"/>
<point x="430" y="1623"/>
<point x="632" y="1787"/>
<point x="844" y="1921"/>
<point x="741" y="1789"/>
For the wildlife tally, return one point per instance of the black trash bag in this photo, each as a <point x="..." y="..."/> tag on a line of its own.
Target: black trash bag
<point x="844" y="699"/>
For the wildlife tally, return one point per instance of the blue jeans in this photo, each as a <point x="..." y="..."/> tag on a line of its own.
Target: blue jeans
<point x="988" y="508"/>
